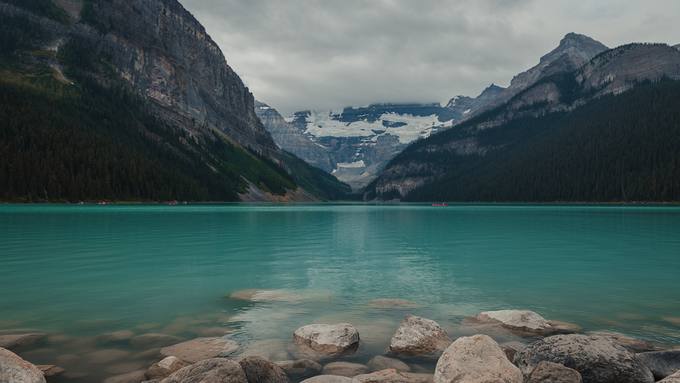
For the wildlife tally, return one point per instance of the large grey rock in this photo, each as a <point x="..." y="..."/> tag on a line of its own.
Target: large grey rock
<point x="418" y="336"/>
<point x="526" y="322"/>
<point x="597" y="358"/>
<point x="260" y="370"/>
<point x="328" y="339"/>
<point x="380" y="362"/>
<point x="344" y="369"/>
<point x="328" y="379"/>
<point x="661" y="363"/>
<point x="201" y="348"/>
<point x="675" y="378"/>
<point x="632" y="344"/>
<point x="549" y="372"/>
<point x="16" y="341"/>
<point x="217" y="370"/>
<point x="475" y="359"/>
<point x="393" y="376"/>
<point x="301" y="368"/>
<point x="165" y="367"/>
<point x="13" y="369"/>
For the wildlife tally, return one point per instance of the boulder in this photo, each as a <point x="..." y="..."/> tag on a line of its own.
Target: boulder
<point x="598" y="359"/>
<point x="632" y="344"/>
<point x="165" y="367"/>
<point x="151" y="340"/>
<point x="526" y="322"/>
<point x="199" y="349"/>
<point x="379" y="362"/>
<point x="344" y="369"/>
<point x="549" y="372"/>
<point x="512" y="348"/>
<point x="475" y="359"/>
<point x="216" y="370"/>
<point x="130" y="377"/>
<point x="661" y="363"/>
<point x="675" y="378"/>
<point x="328" y="379"/>
<point x="17" y="341"/>
<point x="301" y="368"/>
<point x="418" y="336"/>
<point x="328" y="339"/>
<point x="13" y="369"/>
<point x="260" y="370"/>
<point x="393" y="376"/>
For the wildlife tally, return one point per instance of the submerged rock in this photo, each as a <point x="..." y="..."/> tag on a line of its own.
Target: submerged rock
<point x="549" y="372"/>
<point x="199" y="349"/>
<point x="272" y="349"/>
<point x="165" y="367"/>
<point x="328" y="379"/>
<point x="16" y="341"/>
<point x="106" y="356"/>
<point x="280" y="295"/>
<point x="50" y="370"/>
<point x="380" y="362"/>
<point x="121" y="336"/>
<point x="301" y="368"/>
<point x="598" y="359"/>
<point x="217" y="370"/>
<point x="13" y="369"/>
<point x="475" y="359"/>
<point x="130" y="377"/>
<point x="152" y="340"/>
<point x="632" y="344"/>
<point x="393" y="376"/>
<point x="661" y="363"/>
<point x="260" y="370"/>
<point x="418" y="336"/>
<point x="344" y="369"/>
<point x="392" y="303"/>
<point x="526" y="322"/>
<point x="328" y="339"/>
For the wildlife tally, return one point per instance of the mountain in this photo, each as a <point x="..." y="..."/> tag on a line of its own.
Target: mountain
<point x="465" y="107"/>
<point x="132" y="100"/>
<point x="355" y="143"/>
<point x="605" y="131"/>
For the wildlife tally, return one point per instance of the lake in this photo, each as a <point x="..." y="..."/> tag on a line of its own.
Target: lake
<point x="76" y="272"/>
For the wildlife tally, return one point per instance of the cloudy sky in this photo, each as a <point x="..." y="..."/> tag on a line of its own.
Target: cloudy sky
<point x="325" y="54"/>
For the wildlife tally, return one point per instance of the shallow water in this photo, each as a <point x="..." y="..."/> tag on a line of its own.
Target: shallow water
<point x="79" y="271"/>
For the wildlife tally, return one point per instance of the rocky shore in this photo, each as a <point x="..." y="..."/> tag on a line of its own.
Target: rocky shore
<point x="420" y="350"/>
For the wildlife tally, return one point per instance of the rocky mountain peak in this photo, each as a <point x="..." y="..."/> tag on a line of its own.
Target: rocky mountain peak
<point x="578" y="48"/>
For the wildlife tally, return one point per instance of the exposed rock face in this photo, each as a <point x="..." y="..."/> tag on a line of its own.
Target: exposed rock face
<point x="597" y="359"/>
<point x="418" y="336"/>
<point x="188" y="78"/>
<point x="301" y="368"/>
<point x="260" y="370"/>
<point x="16" y="370"/>
<point x="525" y="321"/>
<point x="165" y="367"/>
<point x="328" y="339"/>
<point x="475" y="359"/>
<point x="216" y="370"/>
<point x="380" y="362"/>
<point x="289" y="137"/>
<point x="393" y="376"/>
<point x="198" y="349"/>
<point x="549" y="372"/>
<point x="661" y="363"/>
<point x="467" y="107"/>
<point x="15" y="341"/>
<point x="344" y="369"/>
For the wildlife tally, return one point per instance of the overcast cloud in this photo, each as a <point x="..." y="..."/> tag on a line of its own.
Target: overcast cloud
<point x="325" y="54"/>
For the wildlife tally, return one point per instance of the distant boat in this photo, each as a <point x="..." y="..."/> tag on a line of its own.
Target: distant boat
<point x="440" y="204"/>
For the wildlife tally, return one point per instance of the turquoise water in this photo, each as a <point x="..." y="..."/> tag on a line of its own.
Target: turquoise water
<point x="79" y="271"/>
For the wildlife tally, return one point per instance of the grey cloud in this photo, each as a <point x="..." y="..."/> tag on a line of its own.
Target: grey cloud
<point x="323" y="54"/>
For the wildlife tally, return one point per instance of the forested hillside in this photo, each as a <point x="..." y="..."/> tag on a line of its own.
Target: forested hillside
<point x="615" y="148"/>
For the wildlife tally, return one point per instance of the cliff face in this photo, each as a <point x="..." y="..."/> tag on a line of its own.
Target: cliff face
<point x="166" y="54"/>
